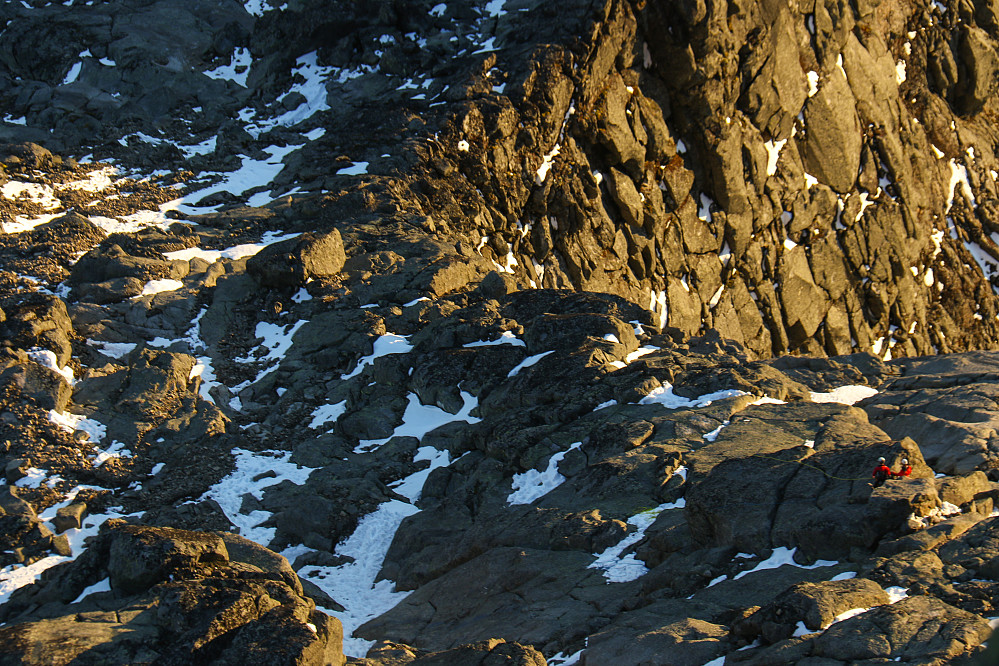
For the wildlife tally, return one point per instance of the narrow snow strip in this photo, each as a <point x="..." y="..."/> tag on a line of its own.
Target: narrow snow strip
<point x="353" y="584"/>
<point x="234" y="252"/>
<point x="412" y="486"/>
<point x="355" y="169"/>
<point x="663" y="395"/>
<point x="528" y="362"/>
<point x="100" y="586"/>
<point x="846" y="575"/>
<point x="390" y="343"/>
<point x="779" y="558"/>
<point x="713" y="435"/>
<point x="639" y="353"/>
<point x="845" y="395"/>
<point x="506" y="338"/>
<point x="847" y="614"/>
<point x="619" y="569"/>
<point x="533" y="485"/>
<point x="985" y="261"/>
<point x="254" y="472"/>
<point x="419" y="419"/>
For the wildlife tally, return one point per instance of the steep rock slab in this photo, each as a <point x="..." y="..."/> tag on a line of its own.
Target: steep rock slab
<point x="524" y="597"/>
<point x="763" y="487"/>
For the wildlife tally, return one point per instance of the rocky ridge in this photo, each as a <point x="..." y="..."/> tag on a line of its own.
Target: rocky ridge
<point x="478" y="320"/>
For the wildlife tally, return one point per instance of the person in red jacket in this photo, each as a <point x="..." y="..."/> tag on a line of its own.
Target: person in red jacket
<point x="881" y="473"/>
<point x="904" y="471"/>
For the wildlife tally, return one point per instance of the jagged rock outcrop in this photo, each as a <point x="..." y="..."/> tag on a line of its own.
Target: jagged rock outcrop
<point x="160" y="594"/>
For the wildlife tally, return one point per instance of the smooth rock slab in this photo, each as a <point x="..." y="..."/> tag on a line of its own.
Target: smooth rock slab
<point x="914" y="628"/>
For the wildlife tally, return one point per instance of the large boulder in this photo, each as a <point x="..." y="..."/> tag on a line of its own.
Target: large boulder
<point x="293" y="262"/>
<point x="815" y="605"/>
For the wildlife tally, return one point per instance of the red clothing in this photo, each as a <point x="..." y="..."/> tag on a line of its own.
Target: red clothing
<point x="883" y="471"/>
<point x="905" y="471"/>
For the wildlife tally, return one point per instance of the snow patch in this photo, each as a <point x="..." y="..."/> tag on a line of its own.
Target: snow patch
<point x="542" y="172"/>
<point x="845" y="395"/>
<point x="528" y="362"/>
<point x="114" y="350"/>
<point x="419" y="419"/>
<point x="100" y="586"/>
<point x="959" y="176"/>
<point x="237" y="70"/>
<point x="253" y="473"/>
<point x="663" y="395"/>
<point x="235" y="252"/>
<point x="48" y="359"/>
<point x="532" y="484"/>
<point x="505" y="338"/>
<point x="813" y="83"/>
<point x="71" y="423"/>
<point x="781" y="556"/>
<point x="773" y="153"/>
<point x="159" y="286"/>
<point x="327" y="413"/>
<point x="390" y="343"/>
<point x="619" y="569"/>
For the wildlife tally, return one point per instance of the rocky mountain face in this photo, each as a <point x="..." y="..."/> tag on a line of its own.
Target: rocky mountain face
<point x="498" y="332"/>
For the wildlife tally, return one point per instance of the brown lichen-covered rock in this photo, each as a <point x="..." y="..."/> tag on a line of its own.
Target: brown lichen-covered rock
<point x="141" y="594"/>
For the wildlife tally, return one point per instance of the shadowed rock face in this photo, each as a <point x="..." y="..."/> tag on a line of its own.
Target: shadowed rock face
<point x="497" y="332"/>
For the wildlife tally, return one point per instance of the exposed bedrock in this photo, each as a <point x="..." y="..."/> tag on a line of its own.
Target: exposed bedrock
<point x="576" y="328"/>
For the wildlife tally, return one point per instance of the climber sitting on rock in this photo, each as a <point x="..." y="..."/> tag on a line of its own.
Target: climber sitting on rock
<point x="881" y="473"/>
<point x="904" y="471"/>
